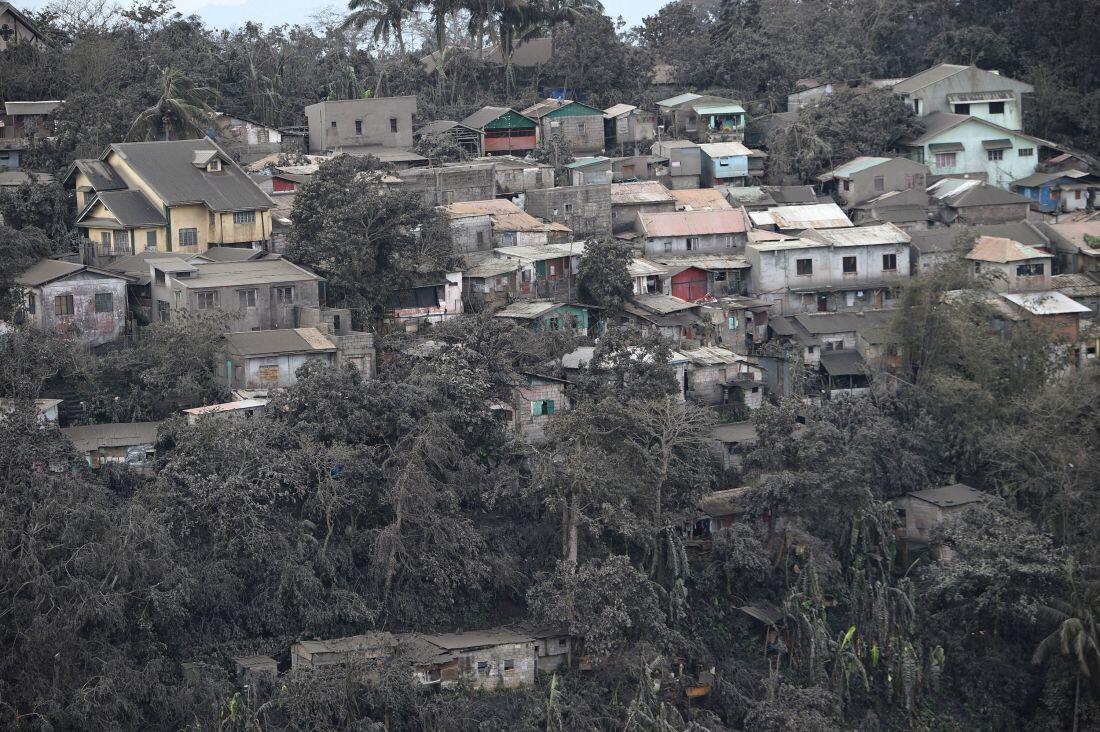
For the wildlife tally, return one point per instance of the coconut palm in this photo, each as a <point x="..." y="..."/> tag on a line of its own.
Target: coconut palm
<point x="387" y="16"/>
<point x="1075" y="635"/>
<point x="182" y="109"/>
<point x="521" y="20"/>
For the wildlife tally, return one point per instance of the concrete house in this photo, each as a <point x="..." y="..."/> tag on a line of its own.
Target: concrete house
<point x="965" y="90"/>
<point x="692" y="231"/>
<point x="931" y="248"/>
<point x="830" y="269"/>
<point x="270" y="359"/>
<point x="637" y="167"/>
<point x="430" y="299"/>
<point x="1013" y="267"/>
<point x="357" y="126"/>
<point x="260" y="294"/>
<point x="694" y="276"/>
<point x="1050" y="310"/>
<point x="922" y="511"/>
<point x="584" y="209"/>
<point x="1077" y="245"/>
<point x="449" y="184"/>
<point x="478" y="226"/>
<point x="963" y="201"/>
<point x="82" y="302"/>
<point x="866" y="177"/>
<point x="548" y="271"/>
<point x="675" y="319"/>
<point x="627" y="127"/>
<point x="503" y="131"/>
<point x="176" y="196"/>
<point x="704" y="117"/>
<point x="126" y="443"/>
<point x="368" y="650"/>
<point x="720" y="376"/>
<point x="730" y="163"/>
<point x="579" y="124"/>
<point x="20" y="124"/>
<point x="589" y="171"/>
<point x="514" y="176"/>
<point x="485" y="660"/>
<point x="534" y="401"/>
<point x="794" y="219"/>
<point x="1063" y="191"/>
<point x="465" y="137"/>
<point x="967" y="146"/>
<point x="909" y="210"/>
<point x="630" y="199"/>
<point x="685" y="163"/>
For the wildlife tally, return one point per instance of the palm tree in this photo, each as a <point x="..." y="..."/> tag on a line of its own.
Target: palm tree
<point x="521" y="20"/>
<point x="388" y="17"/>
<point x="182" y="109"/>
<point x="1075" y="634"/>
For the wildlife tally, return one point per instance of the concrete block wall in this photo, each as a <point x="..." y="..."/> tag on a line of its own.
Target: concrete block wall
<point x="584" y="209"/>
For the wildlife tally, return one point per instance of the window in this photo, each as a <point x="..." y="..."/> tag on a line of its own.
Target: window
<point x="692" y="243"/>
<point x="32" y="303"/>
<point x="977" y="267"/>
<point x="393" y="124"/>
<point x="509" y="664"/>
<point x="1025" y="152"/>
<point x="945" y="160"/>
<point x="561" y="642"/>
<point x="541" y="407"/>
<point x="164" y="312"/>
<point x="668" y="246"/>
<point x="189" y="237"/>
<point x="849" y="264"/>
<point x="63" y="305"/>
<point x="104" y="243"/>
<point x="568" y="208"/>
<point x="811" y="349"/>
<point x="995" y="155"/>
<point x="962" y="109"/>
<point x="916" y="107"/>
<point x="332" y="124"/>
<point x="358" y="126"/>
<point x="580" y="127"/>
<point x="889" y="262"/>
<point x="284" y="295"/>
<point x="804" y="266"/>
<point x="122" y="242"/>
<point x="151" y="240"/>
<point x="214" y="166"/>
<point x="996" y="107"/>
<point x="244" y="217"/>
<point x="480" y="238"/>
<point x="179" y="299"/>
<point x="247" y="298"/>
<point x="834" y="345"/>
<point x="880" y="183"/>
<point x="914" y="181"/>
<point x="1029" y="270"/>
<point x="724" y="162"/>
<point x="104" y="302"/>
<point x="206" y="300"/>
<point x="482" y="668"/>
<point x="847" y="185"/>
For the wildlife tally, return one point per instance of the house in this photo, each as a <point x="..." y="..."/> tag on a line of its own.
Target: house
<point x="966" y="146"/>
<point x="127" y="443"/>
<point x="931" y="248"/>
<point x="260" y="294"/>
<point x="249" y="669"/>
<point x="21" y="124"/>
<point x="701" y="199"/>
<point x="1059" y="192"/>
<point x="921" y="511"/>
<point x="553" y="646"/>
<point x="830" y="269"/>
<point x="493" y="280"/>
<point x="626" y="127"/>
<point x="584" y="209"/>
<point x="239" y="409"/>
<point x="515" y="176"/>
<point x="963" y="201"/>
<point x="480" y="225"/>
<point x="46" y="409"/>
<point x="761" y="198"/>
<point x="844" y="373"/>
<point x="448" y="184"/>
<point x="866" y="332"/>
<point x="705" y="117"/>
<point x="358" y="126"/>
<point x="909" y="210"/>
<point x="485" y="660"/>
<point x="1078" y="287"/>
<point x="794" y="219"/>
<point x="369" y="650"/>
<point x="176" y="196"/>
<point x="697" y="276"/>
<point x="868" y="177"/>
<point x="270" y="359"/>
<point x="729" y="442"/>
<point x="720" y="376"/>
<point x="637" y="167"/>
<point x="648" y="276"/>
<point x="15" y="27"/>
<point x="430" y="298"/>
<point x="533" y="401"/>
<point x="543" y="315"/>
<point x="965" y="90"/>
<point x="587" y="171"/>
<point x="503" y="131"/>
<point x="83" y="302"/>
<point x="1010" y="265"/>
<point x="289" y="178"/>
<point x="1076" y="244"/>
<point x="675" y="319"/>
<point x="548" y="271"/>
<point x="1056" y="313"/>
<point x="685" y="163"/>
<point x="578" y="124"/>
<point x="726" y="163"/>
<point x="718" y="511"/>
<point x="692" y="231"/>
<point x="463" y="136"/>
<point x="630" y="199"/>
<point x="247" y="140"/>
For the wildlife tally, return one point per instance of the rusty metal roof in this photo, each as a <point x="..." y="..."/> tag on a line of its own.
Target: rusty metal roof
<point x="692" y="223"/>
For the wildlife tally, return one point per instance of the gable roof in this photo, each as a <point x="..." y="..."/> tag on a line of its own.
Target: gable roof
<point x="936" y="123"/>
<point x="692" y="223"/>
<point x="25" y="21"/>
<point x="927" y="77"/>
<point x="945" y="239"/>
<point x="169" y="169"/>
<point x="101" y="177"/>
<point x="549" y="106"/>
<point x="858" y="236"/>
<point x="130" y="207"/>
<point x="48" y="270"/>
<point x="440" y="126"/>
<point x="701" y="199"/>
<point x="1003" y="250"/>
<point x="643" y="191"/>
<point x="963" y="192"/>
<point x="1045" y="303"/>
<point x="1039" y="179"/>
<point x="679" y="99"/>
<point x="808" y="216"/>
<point x="948" y="496"/>
<point x="485" y="115"/>
<point x="727" y="149"/>
<point x="282" y="340"/>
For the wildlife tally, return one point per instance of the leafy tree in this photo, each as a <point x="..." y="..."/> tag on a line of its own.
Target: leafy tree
<point x="603" y="278"/>
<point x="441" y="148"/>
<point x="628" y="365"/>
<point x="367" y="240"/>
<point x="43" y="206"/>
<point x="19" y="249"/>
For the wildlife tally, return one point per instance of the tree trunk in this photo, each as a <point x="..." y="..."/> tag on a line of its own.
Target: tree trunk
<point x="1076" y="699"/>
<point x="571" y="536"/>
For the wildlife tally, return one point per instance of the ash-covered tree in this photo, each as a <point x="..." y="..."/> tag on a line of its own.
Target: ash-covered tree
<point x="627" y="364"/>
<point x="603" y="278"/>
<point x="860" y="122"/>
<point x="19" y="249"/>
<point x="558" y="152"/>
<point x="365" y="238"/>
<point x="441" y="148"/>
<point x="43" y="206"/>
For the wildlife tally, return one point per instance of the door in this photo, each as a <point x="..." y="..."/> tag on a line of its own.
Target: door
<point x="822" y="303"/>
<point x="691" y="284"/>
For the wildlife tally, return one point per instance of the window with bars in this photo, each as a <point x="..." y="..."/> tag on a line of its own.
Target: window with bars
<point x="244" y="217"/>
<point x="104" y="302"/>
<point x="995" y="155"/>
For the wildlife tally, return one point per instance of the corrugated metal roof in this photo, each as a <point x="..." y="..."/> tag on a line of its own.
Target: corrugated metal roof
<point x="662" y="304"/>
<point x="271" y="270"/>
<point x="1003" y="250"/>
<point x="712" y="262"/>
<point x="843" y="363"/>
<point x="16" y="109"/>
<point x="527" y="309"/>
<point x="844" y="322"/>
<point x="727" y="149"/>
<point x="810" y="216"/>
<point x="485" y="115"/>
<point x="1045" y="303"/>
<point x="962" y="193"/>
<point x="713" y="356"/>
<point x="1075" y="284"/>
<point x="48" y="270"/>
<point x="506" y="215"/>
<point x="534" y="253"/>
<point x="227" y="407"/>
<point x="718" y="109"/>
<point x="617" y="109"/>
<point x="491" y="267"/>
<point x="123" y="434"/>
<point x="679" y="99"/>
<point x="280" y="341"/>
<point x="701" y="199"/>
<point x="692" y="223"/>
<point x="853" y="166"/>
<point x="982" y="96"/>
<point x="928" y="76"/>
<point x="641" y="267"/>
<point x="585" y="162"/>
<point x="860" y="236"/>
<point x="645" y="191"/>
<point x="958" y="494"/>
<point x="783" y="244"/>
